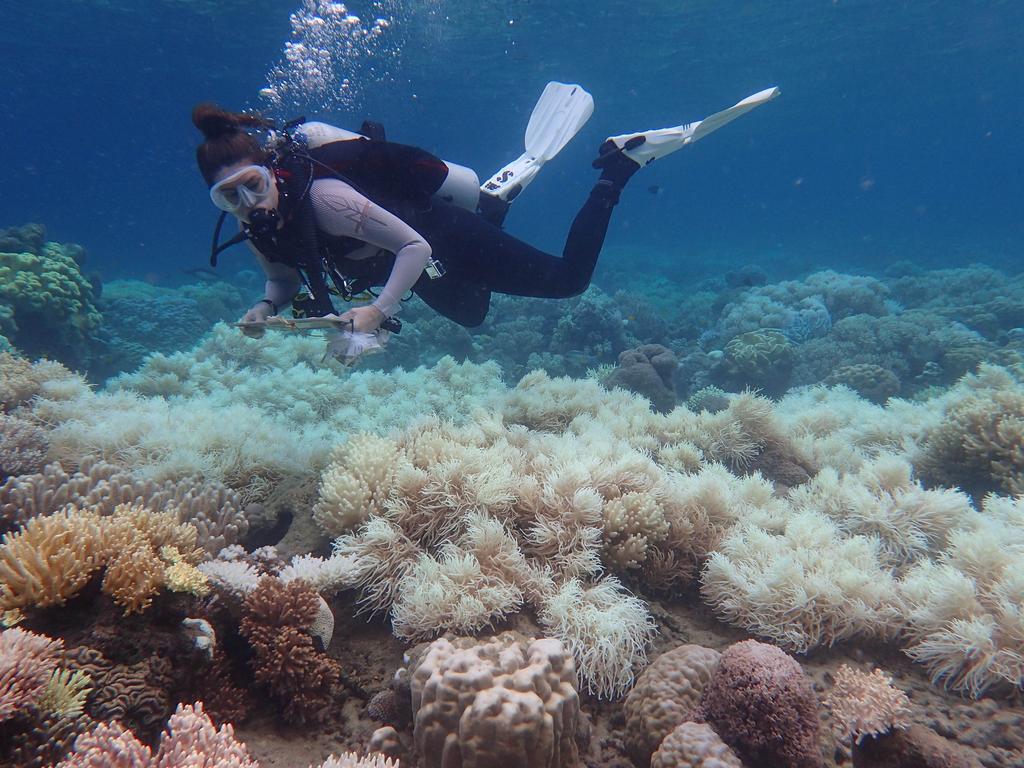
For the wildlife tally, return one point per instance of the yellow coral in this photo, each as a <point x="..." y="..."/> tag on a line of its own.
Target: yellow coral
<point x="50" y="559"/>
<point x="65" y="693"/>
<point x="181" y="576"/>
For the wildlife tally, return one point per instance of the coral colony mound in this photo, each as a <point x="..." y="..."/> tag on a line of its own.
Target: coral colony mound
<point x="774" y="525"/>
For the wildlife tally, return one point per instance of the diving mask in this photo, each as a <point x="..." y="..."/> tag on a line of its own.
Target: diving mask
<point x="243" y="190"/>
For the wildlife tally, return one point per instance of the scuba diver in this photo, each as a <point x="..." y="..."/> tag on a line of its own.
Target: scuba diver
<point x="331" y="212"/>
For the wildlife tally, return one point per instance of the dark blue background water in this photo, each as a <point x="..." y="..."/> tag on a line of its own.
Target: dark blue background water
<point x="898" y="135"/>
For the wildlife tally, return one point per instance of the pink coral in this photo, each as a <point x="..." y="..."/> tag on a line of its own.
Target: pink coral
<point x="761" y="704"/>
<point x="190" y="741"/>
<point x="26" y="662"/>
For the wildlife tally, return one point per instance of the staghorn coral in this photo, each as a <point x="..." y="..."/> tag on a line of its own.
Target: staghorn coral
<point x="665" y="695"/>
<point x="27" y="664"/>
<point x="694" y="745"/>
<point x="276" y="624"/>
<point x="807" y="587"/>
<point x="864" y="704"/>
<point x="500" y="702"/>
<point x="760" y="702"/>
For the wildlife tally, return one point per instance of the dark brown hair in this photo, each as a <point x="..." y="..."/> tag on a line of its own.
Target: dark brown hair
<point x="226" y="140"/>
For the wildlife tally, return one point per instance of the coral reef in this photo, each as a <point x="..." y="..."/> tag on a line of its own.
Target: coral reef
<point x="980" y="443"/>
<point x="647" y="370"/>
<point x="52" y="557"/>
<point x="23" y="447"/>
<point x="52" y="306"/>
<point x="214" y="510"/>
<point x="500" y="702"/>
<point x="804" y="587"/>
<point x="965" y="607"/>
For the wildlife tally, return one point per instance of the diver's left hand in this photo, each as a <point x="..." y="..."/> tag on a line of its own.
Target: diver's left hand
<point x="364" y="319"/>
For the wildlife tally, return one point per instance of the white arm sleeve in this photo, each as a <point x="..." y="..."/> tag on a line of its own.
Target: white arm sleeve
<point x="343" y="212"/>
<point x="283" y="282"/>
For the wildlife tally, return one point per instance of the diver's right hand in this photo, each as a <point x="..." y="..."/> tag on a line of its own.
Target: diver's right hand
<point x="258" y="314"/>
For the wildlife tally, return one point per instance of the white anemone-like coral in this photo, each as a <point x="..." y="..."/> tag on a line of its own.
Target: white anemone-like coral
<point x="966" y="610"/>
<point x="807" y="587"/>
<point x="606" y="628"/>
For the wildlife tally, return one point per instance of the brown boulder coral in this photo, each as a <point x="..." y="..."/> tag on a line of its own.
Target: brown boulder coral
<point x="502" y="702"/>
<point x="694" y="745"/>
<point x="665" y="695"/>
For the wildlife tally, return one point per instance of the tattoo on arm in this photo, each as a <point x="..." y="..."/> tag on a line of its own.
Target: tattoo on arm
<point x="358" y="213"/>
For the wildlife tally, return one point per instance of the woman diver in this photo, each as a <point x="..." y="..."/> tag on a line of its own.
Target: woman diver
<point x="366" y="213"/>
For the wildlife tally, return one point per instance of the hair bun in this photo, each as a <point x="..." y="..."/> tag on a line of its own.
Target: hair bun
<point x="214" y="121"/>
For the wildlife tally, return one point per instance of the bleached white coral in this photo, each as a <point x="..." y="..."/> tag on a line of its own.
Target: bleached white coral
<point x="235" y="577"/>
<point x="356" y="483"/>
<point x="882" y="499"/>
<point x="450" y="592"/>
<point x="324" y="575"/>
<point x="966" y="611"/>
<point x="606" y="628"/>
<point x="807" y="587"/>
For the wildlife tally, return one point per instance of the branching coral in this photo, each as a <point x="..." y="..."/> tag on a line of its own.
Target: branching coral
<point x="865" y="704"/>
<point x="276" y="624"/>
<point x="52" y="557"/>
<point x="27" y="664"/>
<point x="356" y="483"/>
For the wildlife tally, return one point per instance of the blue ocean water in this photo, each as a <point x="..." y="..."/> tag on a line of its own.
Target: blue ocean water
<point x="897" y="136"/>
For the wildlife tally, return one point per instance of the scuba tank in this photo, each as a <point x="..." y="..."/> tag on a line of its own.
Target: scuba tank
<point x="461" y="186"/>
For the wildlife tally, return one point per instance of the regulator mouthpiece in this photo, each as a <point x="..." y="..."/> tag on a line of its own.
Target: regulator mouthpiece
<point x="264" y="221"/>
